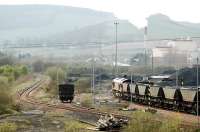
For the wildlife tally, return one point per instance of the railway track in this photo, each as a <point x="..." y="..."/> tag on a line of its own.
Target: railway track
<point x="25" y="96"/>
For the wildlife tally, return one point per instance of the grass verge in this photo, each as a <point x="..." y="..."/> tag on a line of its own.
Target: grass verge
<point x="147" y="122"/>
<point x="8" y="127"/>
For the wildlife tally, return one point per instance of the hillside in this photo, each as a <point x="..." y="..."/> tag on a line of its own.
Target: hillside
<point x="161" y="26"/>
<point x="40" y="21"/>
<point x="47" y="23"/>
<point x="104" y="32"/>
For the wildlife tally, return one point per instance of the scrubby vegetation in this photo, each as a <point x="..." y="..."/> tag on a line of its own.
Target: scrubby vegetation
<point x="86" y="100"/>
<point x="83" y="85"/>
<point x="6" y="59"/>
<point x="8" y="127"/>
<point x="75" y="126"/>
<point x="147" y="122"/>
<point x="8" y="75"/>
<point x="57" y="75"/>
<point x="12" y="73"/>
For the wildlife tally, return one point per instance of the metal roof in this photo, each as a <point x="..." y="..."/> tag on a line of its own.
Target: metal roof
<point x="119" y="80"/>
<point x="160" y="76"/>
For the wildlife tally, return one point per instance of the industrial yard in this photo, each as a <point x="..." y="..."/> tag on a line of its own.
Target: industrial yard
<point x="55" y="114"/>
<point x="92" y="66"/>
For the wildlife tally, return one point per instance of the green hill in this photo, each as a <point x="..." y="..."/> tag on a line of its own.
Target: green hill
<point x="104" y="31"/>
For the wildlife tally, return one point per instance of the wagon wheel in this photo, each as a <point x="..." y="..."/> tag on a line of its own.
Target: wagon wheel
<point x="194" y="109"/>
<point x="70" y="101"/>
<point x="161" y="102"/>
<point x="147" y="100"/>
<point x="151" y="101"/>
<point x="176" y="106"/>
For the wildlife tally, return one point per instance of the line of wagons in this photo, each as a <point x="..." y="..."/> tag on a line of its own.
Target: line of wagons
<point x="181" y="99"/>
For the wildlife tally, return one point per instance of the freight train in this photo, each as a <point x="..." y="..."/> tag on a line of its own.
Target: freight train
<point x="147" y="93"/>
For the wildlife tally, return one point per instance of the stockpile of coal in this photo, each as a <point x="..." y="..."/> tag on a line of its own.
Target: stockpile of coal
<point x="186" y="77"/>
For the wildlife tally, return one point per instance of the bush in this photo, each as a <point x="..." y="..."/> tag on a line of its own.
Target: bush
<point x="24" y="70"/>
<point x="142" y="122"/>
<point x="73" y="126"/>
<point x="8" y="74"/>
<point x="56" y="73"/>
<point x="3" y="82"/>
<point x="19" y="71"/>
<point x="13" y="72"/>
<point x="38" y="66"/>
<point x="86" y="100"/>
<point x="6" y="60"/>
<point x="8" y="127"/>
<point x="5" y="102"/>
<point x="145" y="122"/>
<point x="5" y="98"/>
<point x="170" y="126"/>
<point x="83" y="85"/>
<point x="52" y="88"/>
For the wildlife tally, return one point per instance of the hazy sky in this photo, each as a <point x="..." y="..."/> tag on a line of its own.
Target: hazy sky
<point x="134" y="10"/>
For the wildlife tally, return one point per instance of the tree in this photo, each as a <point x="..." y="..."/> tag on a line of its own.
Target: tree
<point x="24" y="70"/>
<point x="38" y="66"/>
<point x="6" y="59"/>
<point x="56" y="73"/>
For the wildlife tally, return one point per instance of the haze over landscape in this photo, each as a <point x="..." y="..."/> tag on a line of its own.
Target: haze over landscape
<point x="99" y="65"/>
<point x="132" y="10"/>
<point x="51" y="23"/>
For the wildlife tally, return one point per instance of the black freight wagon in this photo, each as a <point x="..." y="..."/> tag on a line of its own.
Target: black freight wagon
<point x="66" y="92"/>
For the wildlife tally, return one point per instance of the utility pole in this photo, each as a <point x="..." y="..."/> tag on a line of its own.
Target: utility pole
<point x="177" y="77"/>
<point x="57" y="77"/>
<point x="198" y="89"/>
<point x="145" y="50"/>
<point x="93" y="80"/>
<point x="116" y="49"/>
<point x="152" y="62"/>
<point x="131" y="84"/>
<point x="101" y="59"/>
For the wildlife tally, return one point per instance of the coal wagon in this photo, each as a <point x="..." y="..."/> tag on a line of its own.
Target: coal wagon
<point x="173" y="98"/>
<point x="66" y="92"/>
